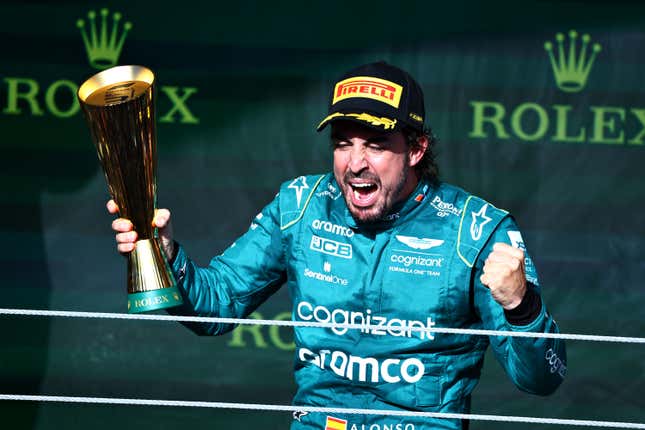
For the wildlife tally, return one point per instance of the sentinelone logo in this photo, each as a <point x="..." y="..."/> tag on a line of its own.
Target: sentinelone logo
<point x="571" y="63"/>
<point x="103" y="40"/>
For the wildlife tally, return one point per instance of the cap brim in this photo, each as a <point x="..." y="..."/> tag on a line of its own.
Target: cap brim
<point x="364" y="118"/>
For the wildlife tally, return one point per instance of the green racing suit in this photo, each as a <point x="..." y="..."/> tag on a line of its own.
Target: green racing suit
<point x="416" y="269"/>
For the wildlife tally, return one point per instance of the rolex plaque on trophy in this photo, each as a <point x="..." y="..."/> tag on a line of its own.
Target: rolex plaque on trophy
<point x="118" y="104"/>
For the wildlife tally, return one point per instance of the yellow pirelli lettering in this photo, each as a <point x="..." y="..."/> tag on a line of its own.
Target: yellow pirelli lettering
<point x="368" y="87"/>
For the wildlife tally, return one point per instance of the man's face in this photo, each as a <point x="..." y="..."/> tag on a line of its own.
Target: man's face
<point x="373" y="168"/>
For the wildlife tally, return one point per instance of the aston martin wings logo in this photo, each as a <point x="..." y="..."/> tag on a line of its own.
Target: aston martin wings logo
<point x="480" y="219"/>
<point x="299" y="184"/>
<point x="419" y="242"/>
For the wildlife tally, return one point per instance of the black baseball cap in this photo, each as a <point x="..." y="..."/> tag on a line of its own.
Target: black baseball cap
<point x="378" y="95"/>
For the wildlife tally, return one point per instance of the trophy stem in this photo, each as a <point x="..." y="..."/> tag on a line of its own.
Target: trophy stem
<point x="150" y="283"/>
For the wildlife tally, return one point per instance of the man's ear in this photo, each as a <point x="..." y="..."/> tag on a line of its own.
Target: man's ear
<point x="417" y="151"/>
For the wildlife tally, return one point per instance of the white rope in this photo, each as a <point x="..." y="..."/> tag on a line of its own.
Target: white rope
<point x="313" y="409"/>
<point x="310" y="409"/>
<point x="476" y="332"/>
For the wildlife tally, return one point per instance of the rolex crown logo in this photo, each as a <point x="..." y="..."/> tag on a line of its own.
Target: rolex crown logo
<point x="103" y="44"/>
<point x="571" y="69"/>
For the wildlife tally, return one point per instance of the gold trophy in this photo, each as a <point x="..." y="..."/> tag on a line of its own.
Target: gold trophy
<point x="118" y="104"/>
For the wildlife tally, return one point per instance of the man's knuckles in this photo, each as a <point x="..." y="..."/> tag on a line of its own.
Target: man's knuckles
<point x="515" y="264"/>
<point x="504" y="260"/>
<point x="125" y="248"/>
<point x="161" y="218"/>
<point x="506" y="268"/>
<point x="122" y="225"/>
<point x="126" y="237"/>
<point x="112" y="207"/>
<point x="504" y="248"/>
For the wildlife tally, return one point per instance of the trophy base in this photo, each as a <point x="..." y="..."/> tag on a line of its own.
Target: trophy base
<point x="151" y="284"/>
<point x="153" y="300"/>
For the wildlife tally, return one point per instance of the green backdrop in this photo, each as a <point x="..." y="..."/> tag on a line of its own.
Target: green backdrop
<point x="241" y="87"/>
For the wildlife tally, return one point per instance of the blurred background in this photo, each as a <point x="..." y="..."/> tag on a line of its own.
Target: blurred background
<point x="558" y="141"/>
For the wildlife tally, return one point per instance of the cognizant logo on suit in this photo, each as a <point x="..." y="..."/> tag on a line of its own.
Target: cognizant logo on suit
<point x="364" y="369"/>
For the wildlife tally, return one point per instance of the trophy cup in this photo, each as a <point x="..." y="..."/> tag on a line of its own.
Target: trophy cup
<point x="118" y="104"/>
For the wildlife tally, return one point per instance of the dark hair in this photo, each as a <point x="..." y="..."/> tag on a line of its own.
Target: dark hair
<point x="427" y="168"/>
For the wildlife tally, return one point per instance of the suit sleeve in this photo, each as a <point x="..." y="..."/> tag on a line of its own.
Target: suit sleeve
<point x="236" y="282"/>
<point x="535" y="365"/>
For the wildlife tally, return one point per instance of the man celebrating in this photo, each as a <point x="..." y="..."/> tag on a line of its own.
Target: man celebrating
<point x="381" y="243"/>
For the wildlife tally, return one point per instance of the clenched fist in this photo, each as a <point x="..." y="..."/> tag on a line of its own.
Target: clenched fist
<point x="126" y="236"/>
<point x="504" y="274"/>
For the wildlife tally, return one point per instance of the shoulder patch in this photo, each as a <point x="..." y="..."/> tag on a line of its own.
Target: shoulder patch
<point x="299" y="185"/>
<point x="295" y="195"/>
<point x="478" y="221"/>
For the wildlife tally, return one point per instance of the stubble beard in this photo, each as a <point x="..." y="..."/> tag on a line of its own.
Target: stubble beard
<point x="382" y="207"/>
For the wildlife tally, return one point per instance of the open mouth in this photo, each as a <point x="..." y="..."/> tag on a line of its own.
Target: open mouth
<point x="363" y="193"/>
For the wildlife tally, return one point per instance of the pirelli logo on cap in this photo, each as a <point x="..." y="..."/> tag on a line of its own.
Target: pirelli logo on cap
<point x="368" y="87"/>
